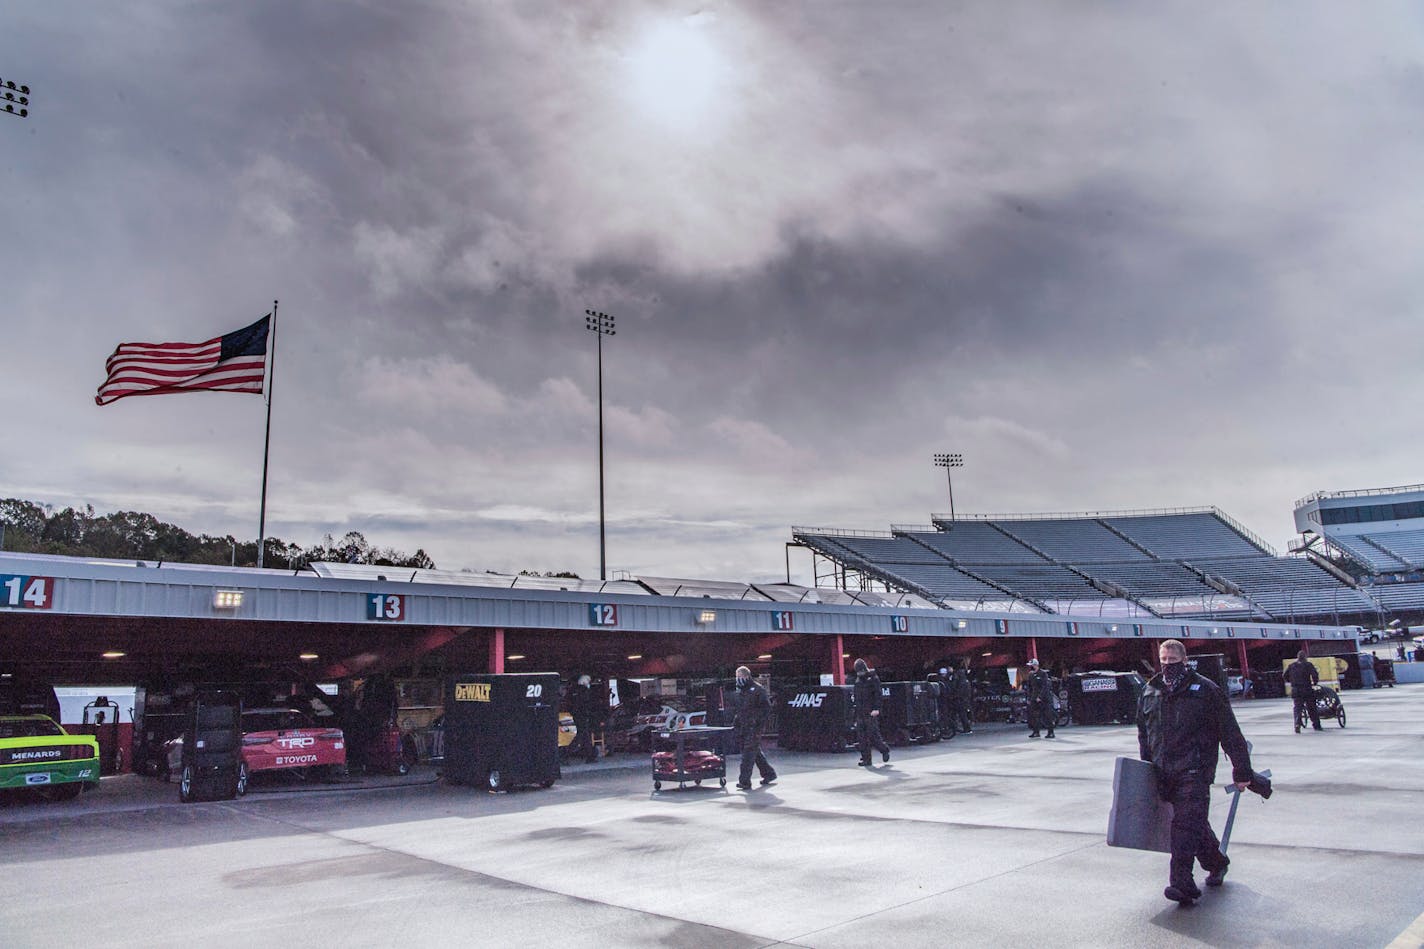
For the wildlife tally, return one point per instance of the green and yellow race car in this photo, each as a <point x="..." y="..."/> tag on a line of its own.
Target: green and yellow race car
<point x="37" y="753"/>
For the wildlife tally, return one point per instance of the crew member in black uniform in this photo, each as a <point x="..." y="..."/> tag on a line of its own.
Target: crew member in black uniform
<point x="750" y="708"/>
<point x="582" y="708"/>
<point x="962" y="692"/>
<point x="1182" y="718"/>
<point x="1303" y="677"/>
<point x="944" y="700"/>
<point x="1039" y="689"/>
<point x="867" y="699"/>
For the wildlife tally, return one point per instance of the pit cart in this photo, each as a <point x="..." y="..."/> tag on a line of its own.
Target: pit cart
<point x="1327" y="705"/>
<point x="684" y="755"/>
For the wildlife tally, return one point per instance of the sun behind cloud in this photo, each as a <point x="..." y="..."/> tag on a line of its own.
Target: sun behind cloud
<point x="675" y="73"/>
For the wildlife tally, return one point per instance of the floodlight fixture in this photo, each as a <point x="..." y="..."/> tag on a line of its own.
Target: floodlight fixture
<point x="707" y="616"/>
<point x="14" y="98"/>
<point x="949" y="461"/>
<point x="227" y="599"/>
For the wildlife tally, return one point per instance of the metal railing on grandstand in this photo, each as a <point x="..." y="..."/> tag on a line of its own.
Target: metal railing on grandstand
<point x="1361" y="493"/>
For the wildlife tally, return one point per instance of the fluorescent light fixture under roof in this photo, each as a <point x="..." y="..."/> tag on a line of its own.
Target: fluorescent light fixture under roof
<point x="513" y="656"/>
<point x="227" y="599"/>
<point x="636" y="655"/>
<point x="308" y="656"/>
<point x="115" y="654"/>
<point x="764" y="656"/>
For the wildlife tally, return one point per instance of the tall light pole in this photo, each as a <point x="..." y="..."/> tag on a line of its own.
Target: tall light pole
<point x="602" y="325"/>
<point x="948" y="462"/>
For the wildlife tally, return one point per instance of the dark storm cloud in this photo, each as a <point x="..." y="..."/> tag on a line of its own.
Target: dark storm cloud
<point x="1122" y="257"/>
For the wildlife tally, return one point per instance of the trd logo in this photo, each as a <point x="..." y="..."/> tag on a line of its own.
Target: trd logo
<point x="298" y="742"/>
<point x="807" y="700"/>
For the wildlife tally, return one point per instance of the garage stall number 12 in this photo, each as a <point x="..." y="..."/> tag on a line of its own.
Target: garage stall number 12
<point x="32" y="593"/>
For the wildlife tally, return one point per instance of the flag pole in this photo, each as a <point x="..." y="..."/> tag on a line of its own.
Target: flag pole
<point x="267" y="436"/>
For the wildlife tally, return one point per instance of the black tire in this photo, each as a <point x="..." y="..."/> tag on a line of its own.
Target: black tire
<point x="61" y="792"/>
<point x="658" y="785"/>
<point x="722" y="782"/>
<point x="240" y="788"/>
<point x="408" y="756"/>
<point x="495" y="781"/>
<point x="546" y="784"/>
<point x="187" y="785"/>
<point x="1341" y="717"/>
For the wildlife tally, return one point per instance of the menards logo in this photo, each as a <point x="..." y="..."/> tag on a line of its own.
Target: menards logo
<point x="42" y="754"/>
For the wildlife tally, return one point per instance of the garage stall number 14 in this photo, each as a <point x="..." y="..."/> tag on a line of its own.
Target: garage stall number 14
<point x="26" y="592"/>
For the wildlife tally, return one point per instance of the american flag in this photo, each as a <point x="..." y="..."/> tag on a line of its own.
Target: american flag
<point x="235" y="362"/>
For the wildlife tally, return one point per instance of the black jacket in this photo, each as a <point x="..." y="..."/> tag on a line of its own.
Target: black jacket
<point x="1039" y="687"/>
<point x="1180" y="730"/>
<point x="961" y="688"/>
<point x="581" y="701"/>
<point x="1302" y="675"/>
<point x="867" y="693"/>
<point x="750" y="707"/>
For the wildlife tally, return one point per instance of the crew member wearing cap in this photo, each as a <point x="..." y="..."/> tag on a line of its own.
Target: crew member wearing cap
<point x="750" y="709"/>
<point x="581" y="707"/>
<point x="1038" y="686"/>
<point x="866" y="693"/>
<point x="946" y="702"/>
<point x="963" y="693"/>
<point x="1182" y="718"/>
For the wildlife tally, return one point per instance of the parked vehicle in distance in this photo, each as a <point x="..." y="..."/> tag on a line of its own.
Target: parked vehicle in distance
<point x="36" y="752"/>
<point x="1363" y="635"/>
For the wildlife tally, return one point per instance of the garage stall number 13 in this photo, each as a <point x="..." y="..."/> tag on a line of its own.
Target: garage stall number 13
<point x="386" y="606"/>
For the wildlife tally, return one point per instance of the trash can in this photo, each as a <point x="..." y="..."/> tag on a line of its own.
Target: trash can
<point x="502" y="730"/>
<point x="816" y="718"/>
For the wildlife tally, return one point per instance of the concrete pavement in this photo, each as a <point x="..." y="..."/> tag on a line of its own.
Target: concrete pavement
<point x="991" y="839"/>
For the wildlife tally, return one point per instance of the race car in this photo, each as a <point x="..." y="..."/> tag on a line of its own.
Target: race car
<point x="278" y="739"/>
<point x="282" y="738"/>
<point x="36" y="752"/>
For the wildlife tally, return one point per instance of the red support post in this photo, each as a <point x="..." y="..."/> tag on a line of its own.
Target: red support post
<point x="1033" y="647"/>
<point x="1245" y="666"/>
<point x="837" y="659"/>
<point x="496" y="652"/>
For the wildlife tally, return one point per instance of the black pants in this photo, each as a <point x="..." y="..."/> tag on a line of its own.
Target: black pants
<point x="1192" y="836"/>
<point x="962" y="712"/>
<point x="867" y="729"/>
<point x="583" y="738"/>
<point x="1305" y="699"/>
<point x="1041" y="715"/>
<point x="752" y="755"/>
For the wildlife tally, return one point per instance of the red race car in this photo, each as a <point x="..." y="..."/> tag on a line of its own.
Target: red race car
<point x="281" y="738"/>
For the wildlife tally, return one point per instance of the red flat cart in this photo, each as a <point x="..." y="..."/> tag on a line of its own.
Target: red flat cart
<point x="689" y="754"/>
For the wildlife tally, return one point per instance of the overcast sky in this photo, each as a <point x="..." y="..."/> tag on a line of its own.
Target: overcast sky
<point x="1119" y="255"/>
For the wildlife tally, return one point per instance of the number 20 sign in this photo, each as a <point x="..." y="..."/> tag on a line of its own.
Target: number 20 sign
<point x="26" y="593"/>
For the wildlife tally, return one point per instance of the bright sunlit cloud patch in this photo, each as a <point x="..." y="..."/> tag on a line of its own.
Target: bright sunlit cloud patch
<point x="676" y="74"/>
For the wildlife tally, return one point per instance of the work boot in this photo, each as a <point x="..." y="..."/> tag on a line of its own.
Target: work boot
<point x="864" y="762"/>
<point x="769" y="779"/>
<point x="1297" y="729"/>
<point x="1033" y="734"/>
<point x="885" y="755"/>
<point x="744" y="786"/>
<point x="1319" y="729"/>
<point x="1182" y="894"/>
<point x="1050" y="733"/>
<point x="1215" y="877"/>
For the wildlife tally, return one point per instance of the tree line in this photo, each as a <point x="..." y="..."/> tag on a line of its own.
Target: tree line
<point x="28" y="527"/>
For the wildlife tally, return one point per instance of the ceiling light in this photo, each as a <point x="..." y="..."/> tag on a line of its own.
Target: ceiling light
<point x="514" y="656"/>
<point x="986" y="654"/>
<point x="636" y="655"/>
<point x="845" y="655"/>
<point x="115" y="654"/>
<point x="764" y="656"/>
<point x="227" y="599"/>
<point x="308" y="656"/>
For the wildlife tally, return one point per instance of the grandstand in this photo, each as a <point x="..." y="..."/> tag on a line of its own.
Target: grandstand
<point x="1375" y="536"/>
<point x="1190" y="563"/>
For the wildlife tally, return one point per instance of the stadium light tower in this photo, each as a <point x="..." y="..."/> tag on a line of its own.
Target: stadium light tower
<point x="949" y="462"/>
<point x="14" y="98"/>
<point x="602" y="325"/>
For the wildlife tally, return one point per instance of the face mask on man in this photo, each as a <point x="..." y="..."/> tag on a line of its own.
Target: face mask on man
<point x="1174" y="670"/>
